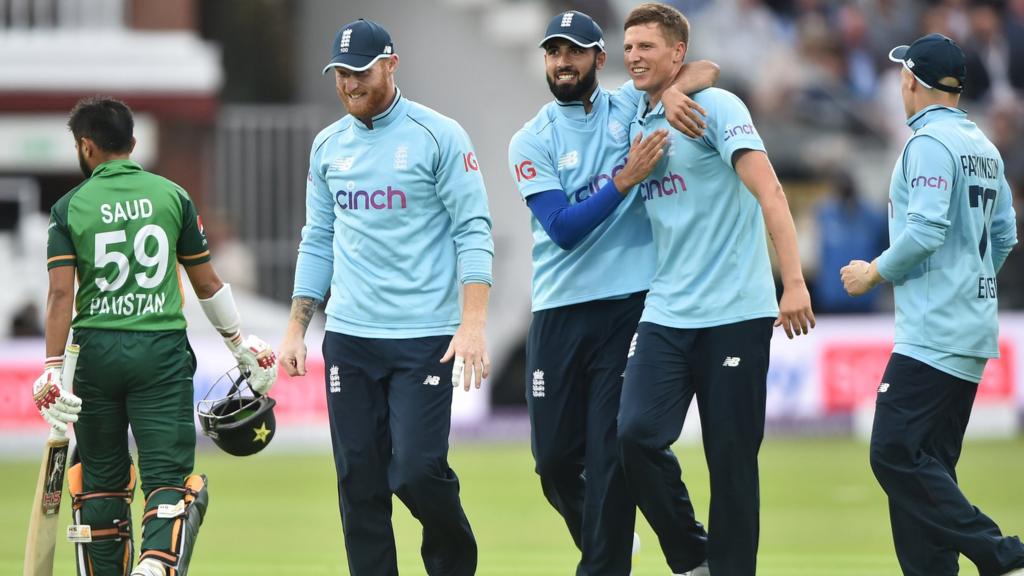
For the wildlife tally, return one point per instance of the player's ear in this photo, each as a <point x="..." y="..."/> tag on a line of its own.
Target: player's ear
<point x="131" y="146"/>
<point x="86" y="146"/>
<point x="602" y="57"/>
<point x="679" y="53"/>
<point x="392" y="63"/>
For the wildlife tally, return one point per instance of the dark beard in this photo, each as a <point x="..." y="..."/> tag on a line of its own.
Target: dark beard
<point x="84" y="165"/>
<point x="574" y="92"/>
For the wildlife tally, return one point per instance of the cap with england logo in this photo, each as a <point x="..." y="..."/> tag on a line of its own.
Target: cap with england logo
<point x="575" y="27"/>
<point x="359" y="44"/>
<point x="932" y="58"/>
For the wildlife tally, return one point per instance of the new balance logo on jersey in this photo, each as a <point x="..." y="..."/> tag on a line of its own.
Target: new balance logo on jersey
<point x="346" y="39"/>
<point x="401" y="157"/>
<point x="379" y="199"/>
<point x="667" y="186"/>
<point x="432" y="381"/>
<point x="883" y="387"/>
<point x="538" y="383"/>
<point x="334" y="383"/>
<point x="567" y="19"/>
<point x="632" y="346"/>
<point x="568" y="160"/>
<point x="342" y="164"/>
<point x="731" y="361"/>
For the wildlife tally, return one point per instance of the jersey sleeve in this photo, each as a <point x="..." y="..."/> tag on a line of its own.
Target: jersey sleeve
<point x="1004" y="225"/>
<point x="532" y="168"/>
<point x="460" y="187"/>
<point x="60" y="250"/>
<point x="628" y="94"/>
<point x="730" y="127"/>
<point x="192" y="246"/>
<point x="927" y="207"/>
<point x="314" y="267"/>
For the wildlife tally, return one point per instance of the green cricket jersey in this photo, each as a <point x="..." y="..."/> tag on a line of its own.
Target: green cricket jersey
<point x="125" y="230"/>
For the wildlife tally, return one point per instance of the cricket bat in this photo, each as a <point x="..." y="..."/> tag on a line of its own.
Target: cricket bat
<point x="42" y="524"/>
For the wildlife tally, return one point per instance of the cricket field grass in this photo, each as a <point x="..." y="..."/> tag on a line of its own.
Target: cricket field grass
<point x="822" y="513"/>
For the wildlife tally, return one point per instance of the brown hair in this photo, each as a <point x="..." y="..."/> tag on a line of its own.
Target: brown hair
<point x="674" y="26"/>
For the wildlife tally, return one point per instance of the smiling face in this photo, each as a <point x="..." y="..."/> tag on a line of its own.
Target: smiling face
<point x="651" y="59"/>
<point x="369" y="92"/>
<point x="571" y="70"/>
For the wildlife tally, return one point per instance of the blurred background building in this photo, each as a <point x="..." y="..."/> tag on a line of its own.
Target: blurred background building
<point x="228" y="96"/>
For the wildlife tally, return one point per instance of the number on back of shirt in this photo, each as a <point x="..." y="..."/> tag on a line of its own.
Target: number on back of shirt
<point x="984" y="198"/>
<point x="109" y="250"/>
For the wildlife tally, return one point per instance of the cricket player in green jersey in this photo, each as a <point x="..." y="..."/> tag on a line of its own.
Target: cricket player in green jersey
<point x="123" y="232"/>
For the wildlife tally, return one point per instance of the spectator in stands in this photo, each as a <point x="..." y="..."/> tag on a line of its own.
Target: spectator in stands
<point x="860" y="66"/>
<point x="849" y="229"/>
<point x="987" y="53"/>
<point x="1014" y="26"/>
<point x="1006" y="121"/>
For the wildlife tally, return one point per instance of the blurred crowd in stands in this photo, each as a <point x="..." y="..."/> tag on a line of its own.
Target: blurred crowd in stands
<point x="818" y="81"/>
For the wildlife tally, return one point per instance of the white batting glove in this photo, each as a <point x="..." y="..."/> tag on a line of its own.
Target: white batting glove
<point x="255" y="356"/>
<point x="58" y="406"/>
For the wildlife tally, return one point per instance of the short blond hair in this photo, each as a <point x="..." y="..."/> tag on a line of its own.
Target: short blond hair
<point x="674" y="26"/>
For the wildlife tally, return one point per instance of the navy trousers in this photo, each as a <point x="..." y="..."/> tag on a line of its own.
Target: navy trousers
<point x="921" y="414"/>
<point x="726" y="368"/>
<point x="575" y="357"/>
<point x="389" y="402"/>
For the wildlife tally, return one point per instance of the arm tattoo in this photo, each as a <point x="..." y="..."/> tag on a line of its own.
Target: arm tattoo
<point x="302" y="311"/>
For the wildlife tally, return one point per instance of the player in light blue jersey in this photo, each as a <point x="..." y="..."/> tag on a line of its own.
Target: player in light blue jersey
<point x="396" y="220"/>
<point x="592" y="262"/>
<point x="707" y="323"/>
<point x="951" y="227"/>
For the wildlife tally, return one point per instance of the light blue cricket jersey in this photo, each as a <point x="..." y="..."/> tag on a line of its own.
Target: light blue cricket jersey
<point x="713" y="266"/>
<point x="396" y="218"/>
<point x="564" y="148"/>
<point x="951" y="226"/>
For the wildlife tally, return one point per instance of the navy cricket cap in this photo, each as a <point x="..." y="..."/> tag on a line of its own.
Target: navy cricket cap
<point x="359" y="44"/>
<point x="932" y="58"/>
<point x="577" y="28"/>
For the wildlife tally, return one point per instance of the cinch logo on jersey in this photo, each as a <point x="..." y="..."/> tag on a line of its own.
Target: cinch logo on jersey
<point x="667" y="186"/>
<point x="595" y="184"/>
<point x="375" y="200"/>
<point x="127" y="210"/>
<point x="937" y="182"/>
<point x="128" y="304"/>
<point x="731" y="131"/>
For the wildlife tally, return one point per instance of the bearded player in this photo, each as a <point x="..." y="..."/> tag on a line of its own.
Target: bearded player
<point x="123" y="232"/>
